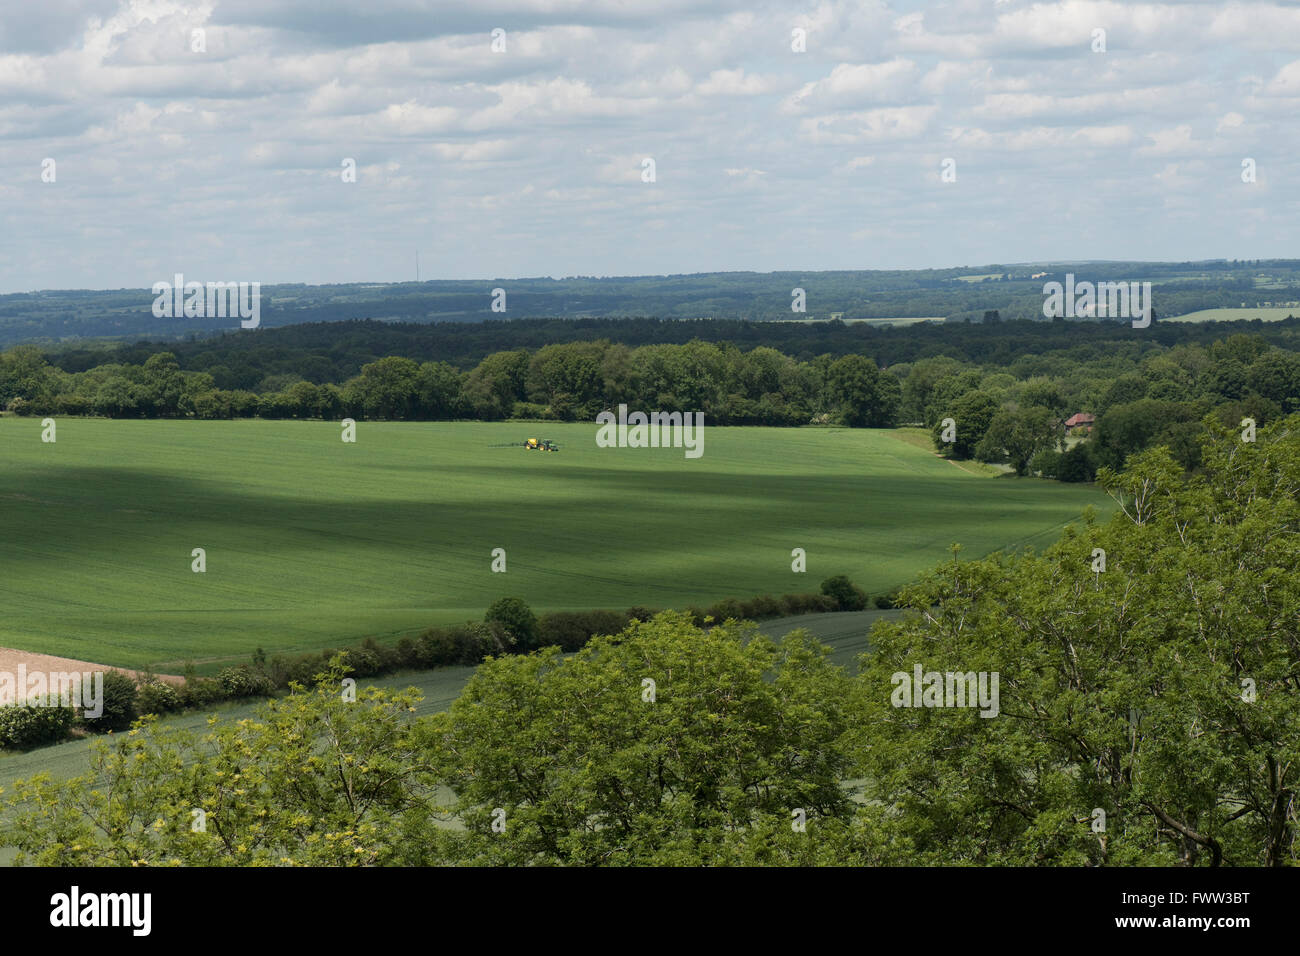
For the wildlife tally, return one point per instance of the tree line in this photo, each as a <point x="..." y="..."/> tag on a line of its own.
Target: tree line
<point x="566" y="382"/>
<point x="1006" y="408"/>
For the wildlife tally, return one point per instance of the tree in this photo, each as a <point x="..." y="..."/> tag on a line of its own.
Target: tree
<point x="1160" y="691"/>
<point x="1125" y="429"/>
<point x="496" y="383"/>
<point x="864" y="397"/>
<point x="1124" y="390"/>
<point x="918" y="388"/>
<point x="161" y="385"/>
<point x="1276" y="376"/>
<point x="1017" y="435"/>
<point x="972" y="414"/>
<point x="666" y="744"/>
<point x="387" y="388"/>
<point x="516" y="619"/>
<point x="567" y="375"/>
<point x="1077" y="464"/>
<point x="25" y="374"/>
<point x="314" y="780"/>
<point x="119" y="703"/>
<point x="1045" y="393"/>
<point x="846" y="595"/>
<point x="437" y="390"/>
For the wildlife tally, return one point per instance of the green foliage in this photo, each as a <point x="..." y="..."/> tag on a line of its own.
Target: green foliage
<point x="313" y="780"/>
<point x="1126" y="429"/>
<point x="514" y="617"/>
<point x="864" y="397"/>
<point x="846" y="595"/>
<point x="588" y="769"/>
<point x="156" y="697"/>
<point x="1124" y="690"/>
<point x="972" y="414"/>
<point x="32" y="725"/>
<point x="570" y="630"/>
<point x="1017" y="436"/>
<point x="119" y="709"/>
<point x="1078" y="464"/>
<point x="244" y="681"/>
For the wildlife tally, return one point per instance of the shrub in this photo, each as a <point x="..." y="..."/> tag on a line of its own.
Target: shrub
<point x="380" y="658"/>
<point x="27" y="725"/>
<point x="516" y="619"/>
<point x="155" y="697"/>
<point x="437" y="647"/>
<point x="570" y="630"/>
<point x="408" y="653"/>
<point x="639" y="613"/>
<point x="529" y="410"/>
<point x="792" y="604"/>
<point x="1077" y="464"/>
<point x="726" y="609"/>
<point x="888" y="600"/>
<point x="465" y="644"/>
<point x="1047" y="463"/>
<point x="120" y="696"/>
<point x="201" y="691"/>
<point x="303" y="669"/>
<point x="762" y="606"/>
<point x="846" y="595"/>
<point x="243" y="681"/>
<point x="362" y="661"/>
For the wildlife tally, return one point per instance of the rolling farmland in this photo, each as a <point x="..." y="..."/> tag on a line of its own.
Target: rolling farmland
<point x="311" y="542"/>
<point x="1236" y="315"/>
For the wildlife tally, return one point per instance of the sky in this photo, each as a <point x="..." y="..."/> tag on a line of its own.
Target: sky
<point x="903" y="135"/>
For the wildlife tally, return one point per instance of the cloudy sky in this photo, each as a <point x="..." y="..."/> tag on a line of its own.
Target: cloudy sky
<point x="226" y="162"/>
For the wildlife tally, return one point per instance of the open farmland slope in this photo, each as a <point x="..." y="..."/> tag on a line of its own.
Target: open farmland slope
<point x="314" y="543"/>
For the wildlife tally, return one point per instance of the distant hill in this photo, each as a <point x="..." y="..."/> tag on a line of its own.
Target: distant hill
<point x="960" y="294"/>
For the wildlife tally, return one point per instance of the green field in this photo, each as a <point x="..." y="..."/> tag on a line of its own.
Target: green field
<point x="1235" y="315"/>
<point x="315" y="543"/>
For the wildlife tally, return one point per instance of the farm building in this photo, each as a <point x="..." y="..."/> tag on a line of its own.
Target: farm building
<point x="1084" y="420"/>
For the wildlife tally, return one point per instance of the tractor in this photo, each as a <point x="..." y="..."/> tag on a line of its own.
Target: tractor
<point x="532" y="444"/>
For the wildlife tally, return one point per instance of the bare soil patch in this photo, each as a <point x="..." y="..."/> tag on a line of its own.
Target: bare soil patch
<point x="11" y="658"/>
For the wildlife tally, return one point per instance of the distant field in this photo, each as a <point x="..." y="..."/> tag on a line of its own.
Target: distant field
<point x="314" y="543"/>
<point x="1235" y="315"/>
<point x="896" y="320"/>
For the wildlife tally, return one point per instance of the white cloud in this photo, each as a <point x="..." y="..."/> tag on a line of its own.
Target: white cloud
<point x="550" y="135"/>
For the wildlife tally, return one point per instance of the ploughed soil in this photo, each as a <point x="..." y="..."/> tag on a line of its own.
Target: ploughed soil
<point x="10" y="659"/>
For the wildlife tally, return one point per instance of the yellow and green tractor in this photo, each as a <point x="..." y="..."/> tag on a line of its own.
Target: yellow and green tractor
<point x="532" y="444"/>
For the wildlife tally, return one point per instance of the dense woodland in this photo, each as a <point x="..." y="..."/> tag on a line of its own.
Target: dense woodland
<point x="1008" y="386"/>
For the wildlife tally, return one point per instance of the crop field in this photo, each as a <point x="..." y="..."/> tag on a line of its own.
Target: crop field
<point x="311" y="542"/>
<point x="1235" y="315"/>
